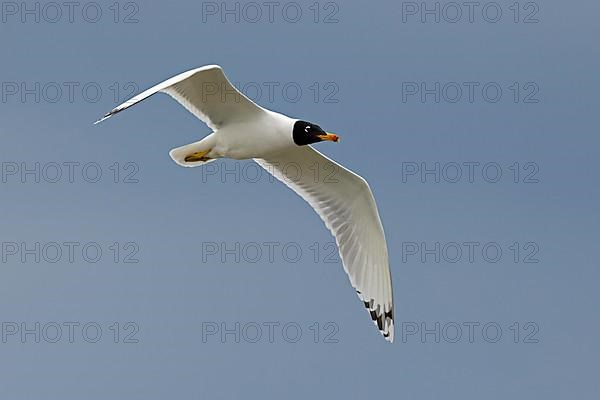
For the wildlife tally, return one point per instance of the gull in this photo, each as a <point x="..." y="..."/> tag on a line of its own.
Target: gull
<point x="282" y="145"/>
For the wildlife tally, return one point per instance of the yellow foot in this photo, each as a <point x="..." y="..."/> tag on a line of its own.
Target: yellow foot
<point x="198" y="156"/>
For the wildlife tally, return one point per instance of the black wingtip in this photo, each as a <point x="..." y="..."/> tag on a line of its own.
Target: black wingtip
<point x="384" y="321"/>
<point x="106" y="116"/>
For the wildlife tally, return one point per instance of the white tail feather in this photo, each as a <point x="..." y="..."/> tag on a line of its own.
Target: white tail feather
<point x="180" y="153"/>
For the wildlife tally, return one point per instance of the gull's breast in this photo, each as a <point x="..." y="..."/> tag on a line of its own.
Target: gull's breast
<point x="254" y="139"/>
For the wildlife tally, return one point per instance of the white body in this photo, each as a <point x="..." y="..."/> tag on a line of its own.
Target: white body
<point x="243" y="140"/>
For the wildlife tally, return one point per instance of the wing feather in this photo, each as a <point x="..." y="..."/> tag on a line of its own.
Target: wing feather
<point x="346" y="205"/>
<point x="205" y="92"/>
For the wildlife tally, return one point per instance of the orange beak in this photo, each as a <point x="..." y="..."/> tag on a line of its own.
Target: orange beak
<point x="329" y="136"/>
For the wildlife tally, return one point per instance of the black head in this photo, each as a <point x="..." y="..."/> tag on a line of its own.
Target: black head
<point x="307" y="133"/>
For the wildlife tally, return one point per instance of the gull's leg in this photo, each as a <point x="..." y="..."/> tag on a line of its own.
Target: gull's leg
<point x="198" y="156"/>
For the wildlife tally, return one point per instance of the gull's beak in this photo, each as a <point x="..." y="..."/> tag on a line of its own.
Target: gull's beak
<point x="329" y="136"/>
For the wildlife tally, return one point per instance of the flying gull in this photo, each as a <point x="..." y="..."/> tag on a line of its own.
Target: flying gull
<point x="244" y="130"/>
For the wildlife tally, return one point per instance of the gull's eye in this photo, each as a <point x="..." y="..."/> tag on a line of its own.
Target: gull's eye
<point x="307" y="129"/>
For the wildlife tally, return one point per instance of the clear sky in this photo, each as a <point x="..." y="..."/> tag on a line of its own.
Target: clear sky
<point x="126" y="276"/>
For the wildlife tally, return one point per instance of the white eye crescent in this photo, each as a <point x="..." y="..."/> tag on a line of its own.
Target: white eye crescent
<point x="307" y="129"/>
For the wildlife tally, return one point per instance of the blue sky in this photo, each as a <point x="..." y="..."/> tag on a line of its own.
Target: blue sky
<point x="125" y="275"/>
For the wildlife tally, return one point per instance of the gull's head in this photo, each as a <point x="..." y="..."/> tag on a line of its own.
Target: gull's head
<point x="307" y="133"/>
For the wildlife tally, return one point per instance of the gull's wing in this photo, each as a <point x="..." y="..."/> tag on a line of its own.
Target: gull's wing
<point x="205" y="92"/>
<point x="345" y="203"/>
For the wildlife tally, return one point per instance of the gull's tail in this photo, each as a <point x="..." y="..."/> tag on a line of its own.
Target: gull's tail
<point x="184" y="155"/>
